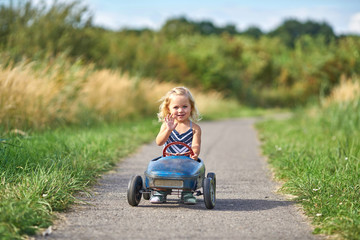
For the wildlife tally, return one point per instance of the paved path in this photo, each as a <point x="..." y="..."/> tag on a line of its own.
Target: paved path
<point x="247" y="206"/>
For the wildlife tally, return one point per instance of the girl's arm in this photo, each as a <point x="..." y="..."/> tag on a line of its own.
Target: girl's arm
<point x="167" y="127"/>
<point x="196" y="142"/>
<point x="163" y="135"/>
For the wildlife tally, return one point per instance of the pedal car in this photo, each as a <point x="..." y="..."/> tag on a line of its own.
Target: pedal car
<point x="173" y="173"/>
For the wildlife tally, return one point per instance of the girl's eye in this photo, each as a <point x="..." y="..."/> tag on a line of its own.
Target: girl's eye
<point x="185" y="106"/>
<point x="176" y="107"/>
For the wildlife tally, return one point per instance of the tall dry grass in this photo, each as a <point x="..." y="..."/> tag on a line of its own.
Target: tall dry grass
<point x="348" y="90"/>
<point x="26" y="100"/>
<point x="37" y="96"/>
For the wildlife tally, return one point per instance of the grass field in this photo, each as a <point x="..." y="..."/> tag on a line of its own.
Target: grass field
<point x="41" y="172"/>
<point x="317" y="156"/>
<point x="63" y="125"/>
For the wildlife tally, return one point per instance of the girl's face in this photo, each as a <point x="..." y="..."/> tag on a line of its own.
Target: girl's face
<point x="180" y="107"/>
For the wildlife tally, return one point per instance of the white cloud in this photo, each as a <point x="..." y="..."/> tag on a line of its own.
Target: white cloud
<point x="106" y="19"/>
<point x="354" y="24"/>
<point x="115" y="21"/>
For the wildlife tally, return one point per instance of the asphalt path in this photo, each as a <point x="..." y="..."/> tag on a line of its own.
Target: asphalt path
<point x="247" y="205"/>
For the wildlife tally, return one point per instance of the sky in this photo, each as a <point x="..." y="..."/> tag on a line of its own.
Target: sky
<point x="342" y="15"/>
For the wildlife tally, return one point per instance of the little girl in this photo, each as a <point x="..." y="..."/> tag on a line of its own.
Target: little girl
<point x="178" y="113"/>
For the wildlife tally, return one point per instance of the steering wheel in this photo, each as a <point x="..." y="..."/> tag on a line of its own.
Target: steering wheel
<point x="190" y="152"/>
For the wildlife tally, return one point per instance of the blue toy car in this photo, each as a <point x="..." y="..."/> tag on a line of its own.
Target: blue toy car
<point x="173" y="173"/>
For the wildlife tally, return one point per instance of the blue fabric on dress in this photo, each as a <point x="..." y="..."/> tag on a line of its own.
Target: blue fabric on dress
<point x="185" y="137"/>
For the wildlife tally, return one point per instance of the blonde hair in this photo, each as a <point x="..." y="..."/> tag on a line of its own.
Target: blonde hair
<point x="183" y="91"/>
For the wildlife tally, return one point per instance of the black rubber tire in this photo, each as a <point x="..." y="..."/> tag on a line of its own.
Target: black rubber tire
<point x="209" y="189"/>
<point x="213" y="176"/>
<point x="133" y="191"/>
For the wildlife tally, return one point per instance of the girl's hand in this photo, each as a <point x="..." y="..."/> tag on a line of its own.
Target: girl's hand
<point x="170" y="122"/>
<point x="194" y="156"/>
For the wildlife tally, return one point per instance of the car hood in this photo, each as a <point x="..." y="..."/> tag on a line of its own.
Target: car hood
<point x="175" y="167"/>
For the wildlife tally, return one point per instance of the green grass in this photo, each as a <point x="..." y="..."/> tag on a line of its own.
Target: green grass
<point x="318" y="157"/>
<point x="41" y="172"/>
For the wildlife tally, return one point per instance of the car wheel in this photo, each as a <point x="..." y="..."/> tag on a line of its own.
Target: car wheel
<point x="133" y="191"/>
<point x="213" y="176"/>
<point x="209" y="193"/>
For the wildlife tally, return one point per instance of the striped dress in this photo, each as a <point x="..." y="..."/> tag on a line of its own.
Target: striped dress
<point x="185" y="137"/>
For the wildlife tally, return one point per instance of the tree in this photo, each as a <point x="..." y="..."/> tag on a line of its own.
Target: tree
<point x="181" y="26"/>
<point x="291" y="30"/>
<point x="206" y="28"/>
<point x="13" y="17"/>
<point x="28" y="30"/>
<point x="230" y="29"/>
<point x="253" y="31"/>
<point x="175" y="27"/>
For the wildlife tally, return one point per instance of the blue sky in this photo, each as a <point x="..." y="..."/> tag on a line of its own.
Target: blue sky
<point x="342" y="15"/>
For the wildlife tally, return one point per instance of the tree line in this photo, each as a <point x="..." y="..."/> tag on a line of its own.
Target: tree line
<point x="286" y="66"/>
<point x="289" y="31"/>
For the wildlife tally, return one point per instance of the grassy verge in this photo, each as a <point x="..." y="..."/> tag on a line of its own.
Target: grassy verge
<point x="40" y="172"/>
<point x="317" y="154"/>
